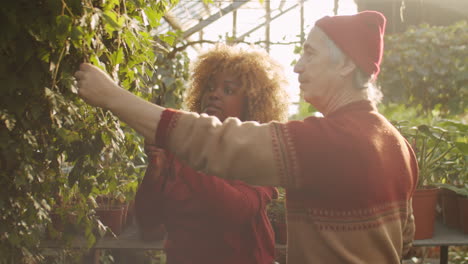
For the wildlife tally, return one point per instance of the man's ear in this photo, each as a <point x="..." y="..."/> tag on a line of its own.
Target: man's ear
<point x="347" y="67"/>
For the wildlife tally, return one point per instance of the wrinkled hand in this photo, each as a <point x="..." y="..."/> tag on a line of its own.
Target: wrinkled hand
<point x="95" y="86"/>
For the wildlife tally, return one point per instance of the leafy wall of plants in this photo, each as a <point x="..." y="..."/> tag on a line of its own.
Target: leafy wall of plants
<point x="427" y="66"/>
<point x="55" y="150"/>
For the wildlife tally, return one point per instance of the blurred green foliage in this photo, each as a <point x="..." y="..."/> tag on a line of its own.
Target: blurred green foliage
<point x="439" y="141"/>
<point x="427" y="66"/>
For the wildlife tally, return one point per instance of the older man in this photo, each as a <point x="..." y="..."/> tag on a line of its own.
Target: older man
<point x="349" y="175"/>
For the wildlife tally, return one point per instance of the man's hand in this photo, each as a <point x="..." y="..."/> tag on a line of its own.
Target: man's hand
<point x="95" y="86"/>
<point x="98" y="89"/>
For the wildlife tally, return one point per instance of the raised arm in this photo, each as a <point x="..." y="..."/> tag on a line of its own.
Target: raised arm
<point x="252" y="152"/>
<point x="248" y="151"/>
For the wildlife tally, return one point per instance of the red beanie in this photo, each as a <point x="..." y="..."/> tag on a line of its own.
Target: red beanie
<point x="359" y="36"/>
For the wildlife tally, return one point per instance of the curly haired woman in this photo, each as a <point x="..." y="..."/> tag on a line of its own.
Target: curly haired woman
<point x="209" y="219"/>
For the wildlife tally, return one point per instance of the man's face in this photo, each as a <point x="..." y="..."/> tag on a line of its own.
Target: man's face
<point x="316" y="69"/>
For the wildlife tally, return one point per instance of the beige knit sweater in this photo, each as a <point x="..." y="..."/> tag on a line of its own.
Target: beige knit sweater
<point x="349" y="177"/>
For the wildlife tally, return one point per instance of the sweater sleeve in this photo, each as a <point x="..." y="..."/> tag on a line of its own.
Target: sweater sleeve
<point x="230" y="202"/>
<point x="247" y="151"/>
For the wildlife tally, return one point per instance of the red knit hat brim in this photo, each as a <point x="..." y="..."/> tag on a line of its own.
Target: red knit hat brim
<point x="359" y="36"/>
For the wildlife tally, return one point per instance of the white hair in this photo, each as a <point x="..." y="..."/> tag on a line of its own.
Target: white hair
<point x="362" y="80"/>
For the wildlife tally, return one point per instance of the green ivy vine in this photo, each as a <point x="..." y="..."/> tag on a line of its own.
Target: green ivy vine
<point x="55" y="151"/>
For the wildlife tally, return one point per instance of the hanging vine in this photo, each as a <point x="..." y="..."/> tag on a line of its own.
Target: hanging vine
<point x="55" y="150"/>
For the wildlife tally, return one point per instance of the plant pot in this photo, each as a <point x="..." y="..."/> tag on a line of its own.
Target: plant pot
<point x="450" y="208"/>
<point x="281" y="233"/>
<point x="424" y="210"/>
<point x="463" y="205"/>
<point x="111" y="217"/>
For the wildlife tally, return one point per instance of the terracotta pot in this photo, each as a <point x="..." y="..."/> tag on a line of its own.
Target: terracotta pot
<point x="281" y="233"/>
<point x="463" y="205"/>
<point x="424" y="210"/>
<point x="450" y="209"/>
<point x="111" y="217"/>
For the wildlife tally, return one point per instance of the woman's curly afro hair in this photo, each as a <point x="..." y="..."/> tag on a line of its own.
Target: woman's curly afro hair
<point x="262" y="80"/>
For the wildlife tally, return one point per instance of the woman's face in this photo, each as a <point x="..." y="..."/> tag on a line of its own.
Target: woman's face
<point x="223" y="97"/>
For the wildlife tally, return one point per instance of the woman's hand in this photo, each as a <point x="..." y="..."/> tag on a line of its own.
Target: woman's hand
<point x="96" y="87"/>
<point x="157" y="158"/>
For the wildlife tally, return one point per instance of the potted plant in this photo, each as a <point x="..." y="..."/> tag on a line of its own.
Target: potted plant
<point x="128" y="187"/>
<point x="110" y="214"/>
<point x="62" y="216"/>
<point x="433" y="146"/>
<point x="110" y="205"/>
<point x="456" y="175"/>
<point x="118" y="188"/>
<point x="110" y="210"/>
<point x="65" y="212"/>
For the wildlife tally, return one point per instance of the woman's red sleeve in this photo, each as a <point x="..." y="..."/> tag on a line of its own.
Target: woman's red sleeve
<point x="230" y="201"/>
<point x="149" y="199"/>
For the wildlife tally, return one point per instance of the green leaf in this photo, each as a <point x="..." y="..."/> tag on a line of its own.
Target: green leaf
<point x="43" y="54"/>
<point x="463" y="147"/>
<point x="77" y="34"/>
<point x="168" y="38"/>
<point x="463" y="128"/>
<point x="95" y="61"/>
<point x="117" y="57"/>
<point x="105" y="138"/>
<point x="111" y="4"/>
<point x="64" y="23"/>
<point x="112" y="21"/>
<point x="68" y="136"/>
<point x="153" y="17"/>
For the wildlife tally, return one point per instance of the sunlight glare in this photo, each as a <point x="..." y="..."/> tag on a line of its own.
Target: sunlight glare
<point x="284" y="29"/>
